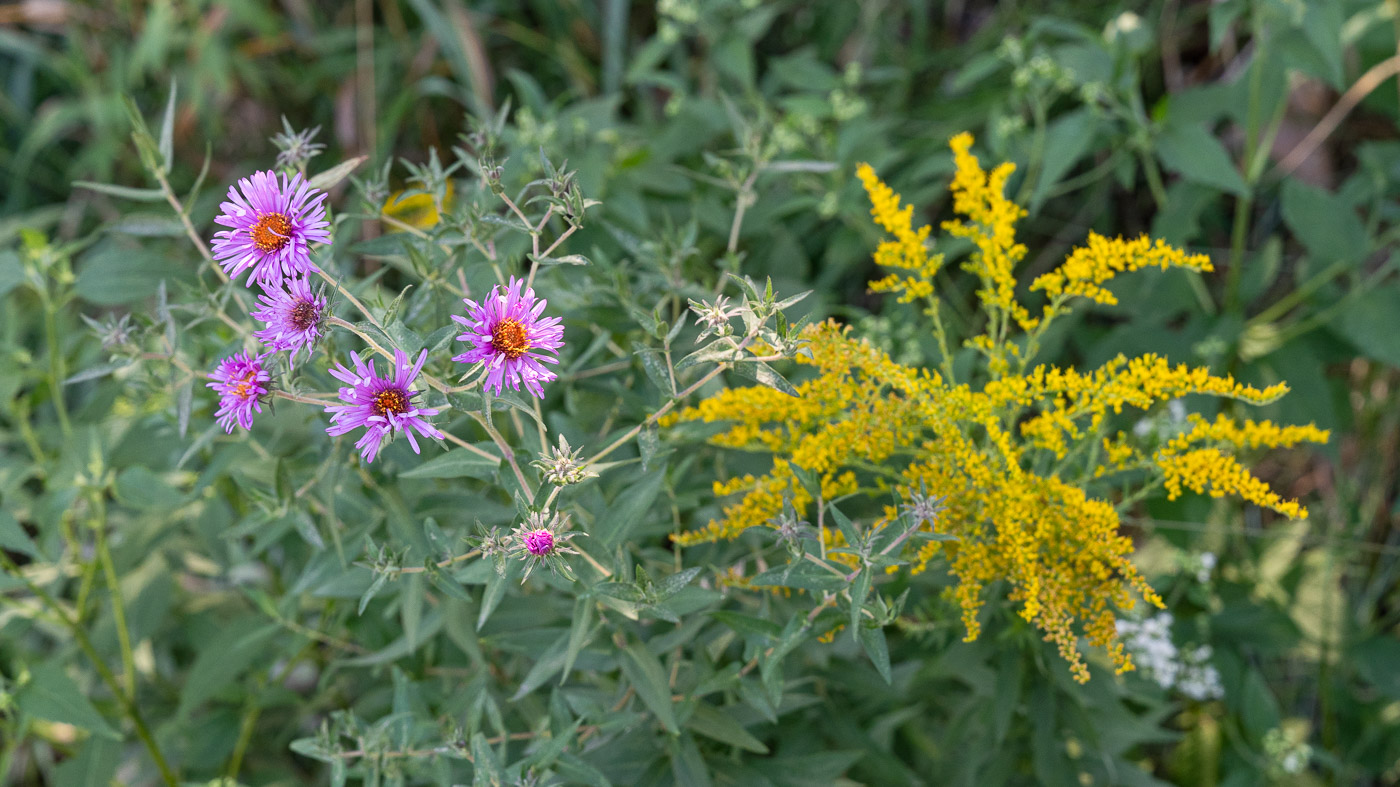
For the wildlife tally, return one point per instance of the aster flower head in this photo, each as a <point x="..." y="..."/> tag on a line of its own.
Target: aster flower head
<point x="561" y="465"/>
<point x="293" y="315"/>
<point x="382" y="405"/>
<point x="241" y="382"/>
<point x="272" y="226"/>
<point x="506" y="333"/>
<point x="544" y="538"/>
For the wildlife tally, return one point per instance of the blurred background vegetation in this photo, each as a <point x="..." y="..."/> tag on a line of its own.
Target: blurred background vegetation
<point x="1262" y="132"/>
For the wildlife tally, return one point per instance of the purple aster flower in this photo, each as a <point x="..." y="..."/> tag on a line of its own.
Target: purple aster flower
<point x="272" y="227"/>
<point x="240" y="381"/>
<point x="544" y="538"/>
<point x="382" y="405"/>
<point x="539" y="542"/>
<point x="293" y="317"/>
<point x="507" y="334"/>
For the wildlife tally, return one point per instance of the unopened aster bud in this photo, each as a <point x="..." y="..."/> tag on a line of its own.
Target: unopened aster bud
<point x="561" y="465"/>
<point x="714" y="316"/>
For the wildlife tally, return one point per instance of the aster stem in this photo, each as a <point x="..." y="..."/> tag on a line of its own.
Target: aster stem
<point x="302" y="398"/>
<point x="506" y="451"/>
<point x="194" y="236"/>
<point x="464" y="444"/>
<point x="353" y="300"/>
<point x="427" y="378"/>
<point x="442" y="563"/>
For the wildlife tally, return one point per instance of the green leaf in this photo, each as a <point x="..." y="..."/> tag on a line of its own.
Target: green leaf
<point x="549" y="663"/>
<point x="141" y="488"/>
<point x="748" y="625"/>
<point x="495" y="591"/>
<point x="859" y="590"/>
<point x="644" y="672"/>
<point x="124" y="192"/>
<point x="1369" y="322"/>
<point x="11" y="272"/>
<point x="714" y="723"/>
<point x="13" y="537"/>
<point x="50" y="694"/>
<point x="115" y="273"/>
<point x="628" y="509"/>
<point x="486" y="767"/>
<point x="765" y="374"/>
<point x="1066" y="141"/>
<point x="327" y="180"/>
<point x="1258" y="708"/>
<point x="456" y="463"/>
<point x="1196" y="155"/>
<point x="223" y="660"/>
<point x="580" y="632"/>
<point x="167" y="130"/>
<point x="687" y="764"/>
<point x="1324" y="223"/>
<point x="873" y="641"/>
<point x="156" y="225"/>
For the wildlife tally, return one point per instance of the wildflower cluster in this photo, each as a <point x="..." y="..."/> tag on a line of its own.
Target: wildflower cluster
<point x="272" y="228"/>
<point x="1187" y="670"/>
<point x="1011" y="455"/>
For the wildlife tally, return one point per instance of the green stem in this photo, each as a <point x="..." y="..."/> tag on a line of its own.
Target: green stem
<point x="109" y="571"/>
<point x="56" y="371"/>
<point x="128" y="704"/>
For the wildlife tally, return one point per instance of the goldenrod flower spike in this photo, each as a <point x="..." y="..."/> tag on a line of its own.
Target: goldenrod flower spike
<point x="1013" y="461"/>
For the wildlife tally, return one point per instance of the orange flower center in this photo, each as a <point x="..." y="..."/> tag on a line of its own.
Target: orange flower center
<point x="243" y="388"/>
<point x="303" y="315"/>
<point x="271" y="232"/>
<point x="390" y="400"/>
<point x="509" y="338"/>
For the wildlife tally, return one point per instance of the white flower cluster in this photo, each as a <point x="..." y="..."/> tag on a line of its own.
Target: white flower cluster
<point x="1188" y="671"/>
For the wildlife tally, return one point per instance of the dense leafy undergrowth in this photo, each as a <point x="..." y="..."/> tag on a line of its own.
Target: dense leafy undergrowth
<point x="723" y="427"/>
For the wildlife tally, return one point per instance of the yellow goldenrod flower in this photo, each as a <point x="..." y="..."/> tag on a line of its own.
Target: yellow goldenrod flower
<point x="1013" y="462"/>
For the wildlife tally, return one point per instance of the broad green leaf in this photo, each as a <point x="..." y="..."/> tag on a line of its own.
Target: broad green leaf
<point x="628" y="509"/>
<point x="125" y="192"/>
<point x="873" y="641"/>
<point x="764" y="374"/>
<point x="644" y="672"/>
<point x="223" y="660"/>
<point x="486" y="767"/>
<point x="456" y="463"/>
<point x="1324" y="223"/>
<point x="1066" y="141"/>
<point x="549" y="662"/>
<point x="714" y="723"/>
<point x="13" y="537"/>
<point x="50" y="694"/>
<point x="1196" y="155"/>
<point x="580" y="632"/>
<point x="328" y="179"/>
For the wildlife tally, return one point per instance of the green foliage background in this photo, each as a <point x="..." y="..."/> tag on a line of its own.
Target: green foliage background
<point x="223" y="583"/>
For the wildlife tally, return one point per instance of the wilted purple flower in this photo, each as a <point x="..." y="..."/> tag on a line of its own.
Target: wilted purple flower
<point x="382" y="405"/>
<point x="240" y="381"/>
<point x="507" y="334"/>
<point x="539" y="542"/>
<point x="272" y="227"/>
<point x="293" y="317"/>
